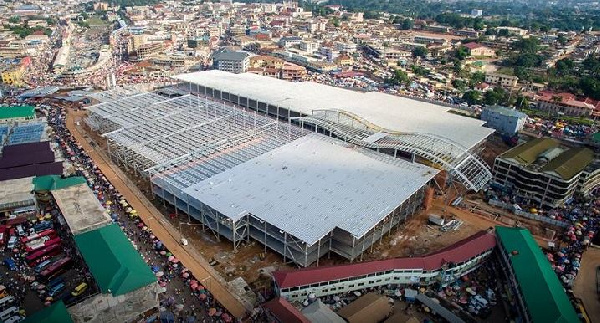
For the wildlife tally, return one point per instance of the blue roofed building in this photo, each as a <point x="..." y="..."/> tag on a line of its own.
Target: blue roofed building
<point x="504" y="120"/>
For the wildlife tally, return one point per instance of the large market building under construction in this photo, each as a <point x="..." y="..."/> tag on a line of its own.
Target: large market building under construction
<point x="301" y="180"/>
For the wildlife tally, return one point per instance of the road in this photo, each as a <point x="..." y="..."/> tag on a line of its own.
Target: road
<point x="152" y="217"/>
<point x="585" y="283"/>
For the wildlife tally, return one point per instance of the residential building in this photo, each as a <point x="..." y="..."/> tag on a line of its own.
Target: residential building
<point x="309" y="46"/>
<point x="476" y="13"/>
<point x="513" y="30"/>
<point x="293" y="72"/>
<point x="504" y="120"/>
<point x="539" y="295"/>
<point x="231" y="61"/>
<point x="501" y="79"/>
<point x="430" y="40"/>
<point x="566" y="104"/>
<point x="479" y="50"/>
<point x="542" y="172"/>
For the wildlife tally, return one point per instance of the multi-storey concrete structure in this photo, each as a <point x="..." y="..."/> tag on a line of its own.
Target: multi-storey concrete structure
<point x="543" y="173"/>
<point x="231" y="61"/>
<point x="501" y="79"/>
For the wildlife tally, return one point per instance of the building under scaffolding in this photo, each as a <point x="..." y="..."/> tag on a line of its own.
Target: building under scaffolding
<point x="390" y="124"/>
<point x="245" y="175"/>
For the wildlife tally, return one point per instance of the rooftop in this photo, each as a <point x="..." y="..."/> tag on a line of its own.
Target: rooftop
<point x="81" y="208"/>
<point x="26" y="160"/>
<point x="17" y="112"/>
<point x="16" y="193"/>
<point x="459" y="252"/>
<point x="313" y="185"/>
<point x="284" y="311"/>
<point x="506" y="111"/>
<point x="55" y="313"/>
<point x="546" y="155"/>
<point x="370" y="308"/>
<point x="228" y="55"/>
<point x="56" y="182"/>
<point x="393" y="113"/>
<point x="117" y="267"/>
<point x="543" y="294"/>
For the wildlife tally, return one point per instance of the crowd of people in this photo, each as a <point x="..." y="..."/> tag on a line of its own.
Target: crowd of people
<point x="582" y="215"/>
<point x="183" y="299"/>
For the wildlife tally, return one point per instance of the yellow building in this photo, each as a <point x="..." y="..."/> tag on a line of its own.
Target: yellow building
<point x="12" y="72"/>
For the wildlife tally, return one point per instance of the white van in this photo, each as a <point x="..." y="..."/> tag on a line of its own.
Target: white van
<point x="6" y="301"/>
<point x="8" y="313"/>
<point x="14" y="319"/>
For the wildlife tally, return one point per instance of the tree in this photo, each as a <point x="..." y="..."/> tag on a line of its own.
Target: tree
<point x="14" y="19"/>
<point x="564" y="66"/>
<point x="461" y="53"/>
<point x="478" y="24"/>
<point x="399" y="78"/>
<point x="420" y="51"/>
<point x="529" y="45"/>
<point x="459" y="84"/>
<point x="496" y="96"/>
<point x="407" y="24"/>
<point x="472" y="97"/>
<point x="562" y="39"/>
<point x="476" y="78"/>
<point x="522" y="102"/>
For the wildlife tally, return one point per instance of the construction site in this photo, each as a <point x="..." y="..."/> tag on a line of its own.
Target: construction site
<point x="256" y="187"/>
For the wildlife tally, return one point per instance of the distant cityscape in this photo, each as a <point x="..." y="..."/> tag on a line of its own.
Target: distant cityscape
<point x="313" y="161"/>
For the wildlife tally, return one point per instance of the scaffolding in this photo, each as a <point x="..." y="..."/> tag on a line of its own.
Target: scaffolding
<point x="465" y="166"/>
<point x="178" y="142"/>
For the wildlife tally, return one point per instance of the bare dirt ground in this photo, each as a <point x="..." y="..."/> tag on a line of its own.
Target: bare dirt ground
<point x="585" y="283"/>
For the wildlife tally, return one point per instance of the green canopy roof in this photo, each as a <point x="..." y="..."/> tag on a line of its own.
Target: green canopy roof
<point x="55" y="182"/>
<point x="543" y="294"/>
<point x="55" y="313"/>
<point x="25" y="111"/>
<point x="113" y="261"/>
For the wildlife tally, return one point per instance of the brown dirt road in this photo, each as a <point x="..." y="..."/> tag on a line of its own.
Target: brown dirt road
<point x="188" y="255"/>
<point x="585" y="283"/>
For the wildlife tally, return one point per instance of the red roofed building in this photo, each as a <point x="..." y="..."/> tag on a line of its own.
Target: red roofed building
<point x="564" y="103"/>
<point x="443" y="266"/>
<point x="479" y="50"/>
<point x="282" y="311"/>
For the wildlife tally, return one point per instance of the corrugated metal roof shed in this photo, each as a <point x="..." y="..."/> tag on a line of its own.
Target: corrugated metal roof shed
<point x="25" y="111"/>
<point x="114" y="263"/>
<point x="313" y="185"/>
<point x="393" y="113"/>
<point x="544" y="295"/>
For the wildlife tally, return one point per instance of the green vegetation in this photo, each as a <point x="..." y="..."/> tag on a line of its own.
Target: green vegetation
<point x="580" y="79"/>
<point x="534" y="15"/>
<point x="472" y="97"/>
<point x="399" y="78"/>
<point x="420" y="51"/>
<point x="24" y="31"/>
<point x="14" y="19"/>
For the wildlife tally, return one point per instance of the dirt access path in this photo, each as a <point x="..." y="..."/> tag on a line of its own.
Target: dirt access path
<point x="585" y="283"/>
<point x="155" y="220"/>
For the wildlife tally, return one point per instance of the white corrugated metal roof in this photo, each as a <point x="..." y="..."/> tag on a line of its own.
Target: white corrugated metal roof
<point x="393" y="113"/>
<point x="312" y="185"/>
